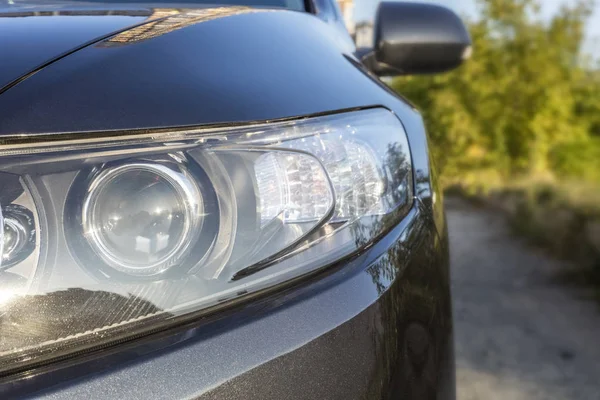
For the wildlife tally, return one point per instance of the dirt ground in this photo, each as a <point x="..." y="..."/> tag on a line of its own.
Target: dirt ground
<point x="519" y="333"/>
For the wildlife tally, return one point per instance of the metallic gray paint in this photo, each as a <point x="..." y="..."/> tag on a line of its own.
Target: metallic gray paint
<point x="225" y="68"/>
<point x="31" y="39"/>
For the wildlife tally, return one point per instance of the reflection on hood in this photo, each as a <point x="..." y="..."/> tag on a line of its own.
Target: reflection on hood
<point x="76" y="13"/>
<point x="169" y="20"/>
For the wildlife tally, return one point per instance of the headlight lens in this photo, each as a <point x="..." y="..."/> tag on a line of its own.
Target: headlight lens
<point x="109" y="237"/>
<point x="18" y="235"/>
<point x="141" y="218"/>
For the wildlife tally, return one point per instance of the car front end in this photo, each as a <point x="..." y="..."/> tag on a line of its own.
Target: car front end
<point x="213" y="202"/>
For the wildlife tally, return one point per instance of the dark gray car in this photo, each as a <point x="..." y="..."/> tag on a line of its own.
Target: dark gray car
<point x="220" y="202"/>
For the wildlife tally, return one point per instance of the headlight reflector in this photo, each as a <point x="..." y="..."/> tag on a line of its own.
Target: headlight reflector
<point x="140" y="231"/>
<point x="293" y="187"/>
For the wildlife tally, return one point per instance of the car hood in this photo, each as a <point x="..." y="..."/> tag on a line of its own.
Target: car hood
<point x="175" y="67"/>
<point x="34" y="35"/>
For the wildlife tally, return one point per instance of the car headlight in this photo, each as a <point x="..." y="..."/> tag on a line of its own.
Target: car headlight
<point x="109" y="236"/>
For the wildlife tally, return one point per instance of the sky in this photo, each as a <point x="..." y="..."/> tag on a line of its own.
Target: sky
<point x="365" y="10"/>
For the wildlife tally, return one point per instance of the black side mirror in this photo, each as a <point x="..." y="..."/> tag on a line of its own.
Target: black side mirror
<point x="416" y="38"/>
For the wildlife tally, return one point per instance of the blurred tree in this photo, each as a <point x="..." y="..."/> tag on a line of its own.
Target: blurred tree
<point x="525" y="102"/>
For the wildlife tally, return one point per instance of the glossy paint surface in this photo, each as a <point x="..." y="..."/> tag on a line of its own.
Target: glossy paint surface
<point x="32" y="37"/>
<point x="378" y="326"/>
<point x="219" y="66"/>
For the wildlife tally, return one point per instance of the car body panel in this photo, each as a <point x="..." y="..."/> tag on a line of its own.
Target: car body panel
<point x="220" y="65"/>
<point x="32" y="37"/>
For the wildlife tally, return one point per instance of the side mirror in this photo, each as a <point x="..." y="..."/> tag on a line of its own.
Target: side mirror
<point x="416" y="38"/>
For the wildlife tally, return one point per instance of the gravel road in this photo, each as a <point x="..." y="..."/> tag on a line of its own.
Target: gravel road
<point x="519" y="334"/>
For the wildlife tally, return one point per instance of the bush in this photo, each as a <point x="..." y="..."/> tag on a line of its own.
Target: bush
<point x="519" y="124"/>
<point x="578" y="160"/>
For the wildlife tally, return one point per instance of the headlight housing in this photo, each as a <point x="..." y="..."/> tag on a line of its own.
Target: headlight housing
<point x="113" y="235"/>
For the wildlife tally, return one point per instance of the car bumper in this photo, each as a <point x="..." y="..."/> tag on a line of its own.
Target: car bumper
<point x="379" y="326"/>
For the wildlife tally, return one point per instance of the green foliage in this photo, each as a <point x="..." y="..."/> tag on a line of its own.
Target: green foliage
<point x="527" y="104"/>
<point x="519" y="126"/>
<point x="577" y="160"/>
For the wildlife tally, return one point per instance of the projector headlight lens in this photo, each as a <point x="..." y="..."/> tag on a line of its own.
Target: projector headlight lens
<point x="142" y="218"/>
<point x="105" y="238"/>
<point x="19" y="235"/>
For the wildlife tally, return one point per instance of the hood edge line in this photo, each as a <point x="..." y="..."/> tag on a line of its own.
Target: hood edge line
<point x="67" y="53"/>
